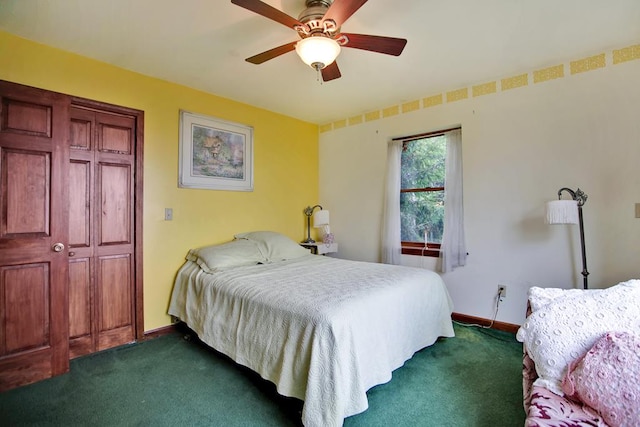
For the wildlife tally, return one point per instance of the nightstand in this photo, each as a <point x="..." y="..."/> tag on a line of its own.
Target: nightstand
<point x="319" y="248"/>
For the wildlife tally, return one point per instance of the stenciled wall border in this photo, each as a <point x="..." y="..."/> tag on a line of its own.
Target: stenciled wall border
<point x="591" y="63"/>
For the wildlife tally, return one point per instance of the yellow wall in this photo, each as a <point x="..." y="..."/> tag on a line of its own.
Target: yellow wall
<point x="285" y="160"/>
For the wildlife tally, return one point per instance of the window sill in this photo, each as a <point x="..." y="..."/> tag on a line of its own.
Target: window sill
<point x="421" y="251"/>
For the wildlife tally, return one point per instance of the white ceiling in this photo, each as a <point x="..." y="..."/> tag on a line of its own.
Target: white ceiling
<point x="451" y="44"/>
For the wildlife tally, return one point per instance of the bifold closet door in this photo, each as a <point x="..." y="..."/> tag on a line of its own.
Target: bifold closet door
<point x="33" y="234"/>
<point x="101" y="230"/>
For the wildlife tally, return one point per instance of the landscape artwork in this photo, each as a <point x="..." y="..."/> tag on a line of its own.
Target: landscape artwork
<point x="215" y="154"/>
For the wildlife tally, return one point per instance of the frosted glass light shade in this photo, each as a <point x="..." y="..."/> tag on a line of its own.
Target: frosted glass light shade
<point x="317" y="51"/>
<point x="562" y="212"/>
<point x="320" y="218"/>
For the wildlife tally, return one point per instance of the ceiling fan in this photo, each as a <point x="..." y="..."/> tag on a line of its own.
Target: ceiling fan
<point x="319" y="29"/>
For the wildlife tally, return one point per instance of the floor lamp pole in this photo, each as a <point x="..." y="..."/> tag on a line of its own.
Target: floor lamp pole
<point x="579" y="197"/>
<point x="585" y="273"/>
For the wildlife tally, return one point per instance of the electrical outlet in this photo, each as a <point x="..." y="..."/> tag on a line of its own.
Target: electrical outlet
<point x="502" y="292"/>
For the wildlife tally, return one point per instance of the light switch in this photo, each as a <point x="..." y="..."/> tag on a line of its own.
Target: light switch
<point x="168" y="214"/>
<point x="637" y="210"/>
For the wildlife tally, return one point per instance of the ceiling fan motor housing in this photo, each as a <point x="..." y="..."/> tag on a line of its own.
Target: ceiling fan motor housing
<point x="312" y="18"/>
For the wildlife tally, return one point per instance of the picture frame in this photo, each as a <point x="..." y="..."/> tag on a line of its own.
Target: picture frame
<point x="215" y="154"/>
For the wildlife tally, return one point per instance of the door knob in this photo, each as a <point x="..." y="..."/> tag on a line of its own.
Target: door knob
<point x="58" y="247"/>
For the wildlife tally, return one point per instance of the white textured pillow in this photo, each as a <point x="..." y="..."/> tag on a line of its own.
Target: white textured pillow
<point x="567" y="326"/>
<point x="274" y="246"/>
<point x="232" y="254"/>
<point x="539" y="297"/>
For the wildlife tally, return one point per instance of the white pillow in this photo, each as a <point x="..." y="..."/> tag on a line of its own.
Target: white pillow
<point x="539" y="297"/>
<point x="568" y="323"/>
<point x="275" y="246"/>
<point x="231" y="254"/>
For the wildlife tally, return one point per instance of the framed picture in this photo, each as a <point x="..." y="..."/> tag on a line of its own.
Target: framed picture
<point x="215" y="154"/>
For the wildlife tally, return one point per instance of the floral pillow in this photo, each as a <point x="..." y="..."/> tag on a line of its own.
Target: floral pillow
<point x="607" y="379"/>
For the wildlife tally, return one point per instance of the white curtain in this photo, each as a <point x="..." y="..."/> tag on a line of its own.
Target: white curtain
<point x="453" y="251"/>
<point x="391" y="246"/>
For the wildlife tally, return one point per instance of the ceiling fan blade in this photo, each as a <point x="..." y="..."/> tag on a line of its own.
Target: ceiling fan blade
<point x="272" y="53"/>
<point x="387" y="45"/>
<point x="331" y="72"/>
<point x="341" y="10"/>
<point x="268" y="12"/>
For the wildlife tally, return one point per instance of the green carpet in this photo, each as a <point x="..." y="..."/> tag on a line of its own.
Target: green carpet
<point x="473" y="379"/>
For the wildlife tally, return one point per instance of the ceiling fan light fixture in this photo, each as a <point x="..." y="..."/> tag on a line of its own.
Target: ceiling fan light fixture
<point x="318" y="51"/>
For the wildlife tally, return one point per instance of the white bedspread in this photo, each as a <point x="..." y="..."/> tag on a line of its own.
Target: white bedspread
<point x="323" y="330"/>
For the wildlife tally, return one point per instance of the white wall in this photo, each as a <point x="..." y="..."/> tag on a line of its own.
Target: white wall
<point x="520" y="146"/>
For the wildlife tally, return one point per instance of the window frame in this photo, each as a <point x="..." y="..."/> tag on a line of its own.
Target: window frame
<point x="418" y="248"/>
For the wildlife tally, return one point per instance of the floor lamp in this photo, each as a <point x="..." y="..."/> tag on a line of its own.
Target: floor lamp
<point x="570" y="212"/>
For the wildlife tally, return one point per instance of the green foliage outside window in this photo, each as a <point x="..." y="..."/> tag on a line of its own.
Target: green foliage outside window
<point x="423" y="168"/>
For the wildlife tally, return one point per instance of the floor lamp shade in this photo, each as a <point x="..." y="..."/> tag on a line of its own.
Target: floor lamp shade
<point x="562" y="212"/>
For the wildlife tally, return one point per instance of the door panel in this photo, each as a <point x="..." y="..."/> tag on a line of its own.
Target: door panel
<point x="116" y="135"/>
<point x="102" y="229"/>
<point x="80" y="297"/>
<point x="79" y="203"/>
<point x="80" y="132"/>
<point x="27" y="118"/>
<point x="81" y="340"/>
<point x="115" y="292"/>
<point x="26" y="307"/>
<point x="80" y="332"/>
<point x="33" y="277"/>
<point x="115" y="249"/>
<point x="116" y="203"/>
<point x="27" y="211"/>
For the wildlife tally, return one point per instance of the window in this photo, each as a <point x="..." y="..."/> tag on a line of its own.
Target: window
<point x="422" y="190"/>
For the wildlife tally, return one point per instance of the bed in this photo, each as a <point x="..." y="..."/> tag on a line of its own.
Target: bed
<point x="323" y="330"/>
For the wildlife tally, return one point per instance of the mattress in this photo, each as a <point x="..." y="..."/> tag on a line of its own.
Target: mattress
<point x="323" y="330"/>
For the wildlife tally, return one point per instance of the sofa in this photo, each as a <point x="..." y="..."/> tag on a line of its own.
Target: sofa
<point x="581" y="358"/>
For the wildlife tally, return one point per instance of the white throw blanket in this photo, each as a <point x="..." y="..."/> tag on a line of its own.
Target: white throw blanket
<point x="323" y="330"/>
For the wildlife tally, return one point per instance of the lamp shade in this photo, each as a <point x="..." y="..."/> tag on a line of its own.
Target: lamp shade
<point x="320" y="218"/>
<point x="318" y="51"/>
<point x="562" y="212"/>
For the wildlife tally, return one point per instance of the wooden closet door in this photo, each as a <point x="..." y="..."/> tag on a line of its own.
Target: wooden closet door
<point x="101" y="230"/>
<point x="33" y="234"/>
